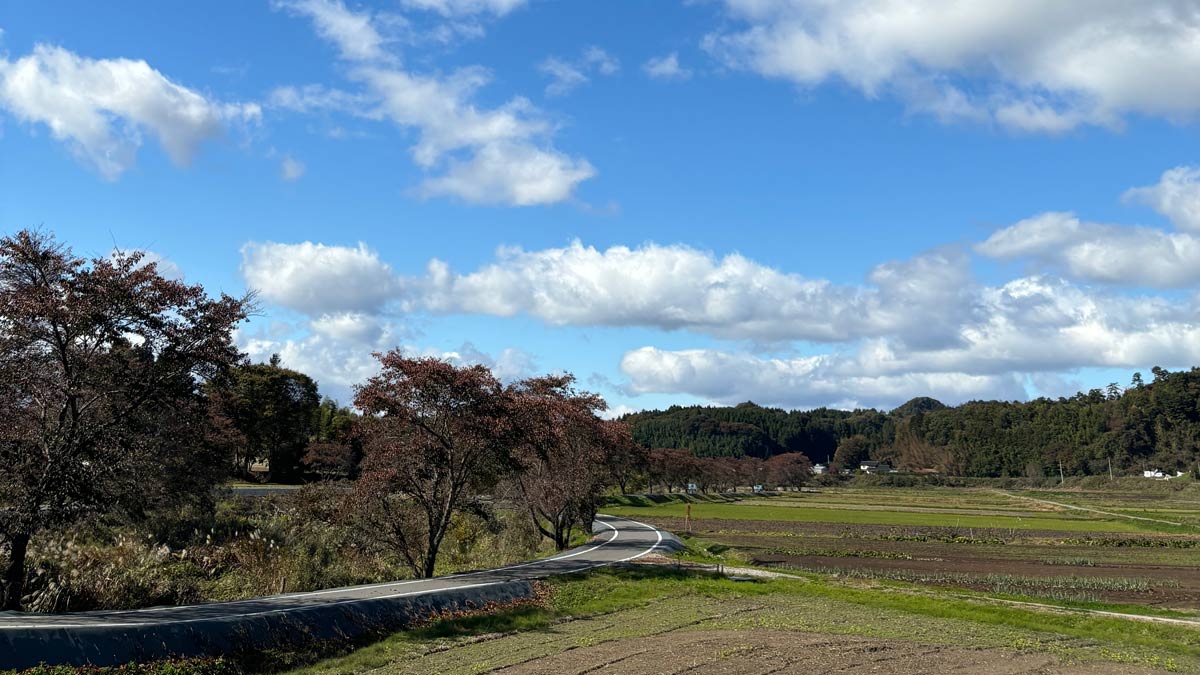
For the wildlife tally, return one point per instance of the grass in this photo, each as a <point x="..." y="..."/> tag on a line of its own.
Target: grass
<point x="604" y="606"/>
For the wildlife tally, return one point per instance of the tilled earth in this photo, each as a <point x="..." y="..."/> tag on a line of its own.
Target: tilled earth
<point x="775" y="634"/>
<point x="860" y="547"/>
<point x="770" y="652"/>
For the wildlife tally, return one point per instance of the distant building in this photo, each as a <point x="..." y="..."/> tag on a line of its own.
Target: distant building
<point x="875" y="467"/>
<point x="1159" y="474"/>
<point x="819" y="468"/>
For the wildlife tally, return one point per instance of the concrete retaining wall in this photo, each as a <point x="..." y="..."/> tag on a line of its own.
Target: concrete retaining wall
<point x="113" y="645"/>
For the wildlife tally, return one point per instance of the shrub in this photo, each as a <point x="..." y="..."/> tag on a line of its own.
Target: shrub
<point x="173" y="667"/>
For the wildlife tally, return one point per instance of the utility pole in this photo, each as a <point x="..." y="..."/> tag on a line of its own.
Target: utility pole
<point x="1061" y="478"/>
<point x="687" y="519"/>
<point x="1110" y="477"/>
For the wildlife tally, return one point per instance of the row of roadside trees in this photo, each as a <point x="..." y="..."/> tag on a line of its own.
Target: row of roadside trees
<point x="124" y="396"/>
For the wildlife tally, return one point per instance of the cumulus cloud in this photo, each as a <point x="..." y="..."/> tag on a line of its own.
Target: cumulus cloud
<point x="1176" y="196"/>
<point x="566" y="75"/>
<point x="353" y="327"/>
<point x="501" y="155"/>
<point x="101" y="107"/>
<point x="316" y="279"/>
<point x="924" y="325"/>
<point x="1115" y="254"/>
<point x="666" y="68"/>
<point x="336" y="365"/>
<point x="336" y="351"/>
<point x="509" y="365"/>
<point x="803" y="382"/>
<point x="1026" y="329"/>
<point x="1033" y="66"/>
<point x="679" y="287"/>
<point x="512" y="174"/>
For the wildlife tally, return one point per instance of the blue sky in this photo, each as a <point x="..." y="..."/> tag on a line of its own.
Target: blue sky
<point x="793" y="202"/>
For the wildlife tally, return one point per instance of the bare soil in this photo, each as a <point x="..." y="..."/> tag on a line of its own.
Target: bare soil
<point x="770" y="652"/>
<point x="852" y="547"/>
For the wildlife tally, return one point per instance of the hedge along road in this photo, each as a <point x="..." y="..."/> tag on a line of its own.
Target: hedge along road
<point x="115" y="637"/>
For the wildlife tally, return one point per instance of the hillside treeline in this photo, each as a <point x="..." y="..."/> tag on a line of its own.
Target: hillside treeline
<point x="1146" y="425"/>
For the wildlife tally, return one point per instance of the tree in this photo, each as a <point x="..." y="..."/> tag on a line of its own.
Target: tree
<point x="435" y="437"/>
<point x="670" y="468"/>
<point x="99" y="407"/>
<point x="331" y="460"/>
<point x="627" y="459"/>
<point x="791" y="469"/>
<point x="851" y="451"/>
<point x="276" y="411"/>
<point x="561" y="461"/>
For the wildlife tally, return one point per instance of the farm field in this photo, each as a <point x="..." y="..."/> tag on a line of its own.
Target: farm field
<point x="653" y="619"/>
<point x="1143" y="551"/>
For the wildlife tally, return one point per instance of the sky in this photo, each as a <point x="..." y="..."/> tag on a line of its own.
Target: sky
<point x="797" y="202"/>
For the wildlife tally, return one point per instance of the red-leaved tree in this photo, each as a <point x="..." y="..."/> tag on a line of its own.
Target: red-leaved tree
<point x="790" y="469"/>
<point x="435" y="438"/>
<point x="561" y="462"/>
<point x="100" y="364"/>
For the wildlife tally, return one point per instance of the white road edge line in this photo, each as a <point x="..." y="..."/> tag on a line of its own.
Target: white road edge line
<point x="135" y="624"/>
<point x="384" y="584"/>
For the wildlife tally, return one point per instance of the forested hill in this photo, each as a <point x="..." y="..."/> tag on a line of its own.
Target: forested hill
<point x="1147" y="425"/>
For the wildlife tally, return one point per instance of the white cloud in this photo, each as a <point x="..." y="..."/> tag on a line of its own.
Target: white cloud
<point x="316" y="279"/>
<point x="501" y="155"/>
<point x="291" y="169"/>
<point x="516" y="174"/>
<point x="1176" y="196"/>
<point x="452" y="8"/>
<point x="353" y="327"/>
<point x="564" y="76"/>
<point x="920" y="326"/>
<point x="335" y="364"/>
<point x="602" y="61"/>
<point x="354" y="33"/>
<point x="1038" y="66"/>
<point x="315" y="97"/>
<point x="336" y="351"/>
<point x="509" y="365"/>
<point x="1115" y="254"/>
<point x="678" y="287"/>
<point x="1027" y="330"/>
<point x="166" y="267"/>
<point x="666" y="68"/>
<point x="619" y="410"/>
<point x="567" y="75"/>
<point x="804" y="382"/>
<point x="101" y="107"/>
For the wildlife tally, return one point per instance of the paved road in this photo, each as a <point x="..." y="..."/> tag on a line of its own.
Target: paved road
<point x="98" y="636"/>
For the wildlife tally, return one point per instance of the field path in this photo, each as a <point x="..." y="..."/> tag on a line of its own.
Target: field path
<point x="1080" y="610"/>
<point x="1084" y="508"/>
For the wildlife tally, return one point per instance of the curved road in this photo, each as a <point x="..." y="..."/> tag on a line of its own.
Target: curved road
<point x="105" y="636"/>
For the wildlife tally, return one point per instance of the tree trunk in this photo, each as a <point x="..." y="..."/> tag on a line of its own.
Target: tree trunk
<point x="14" y="574"/>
